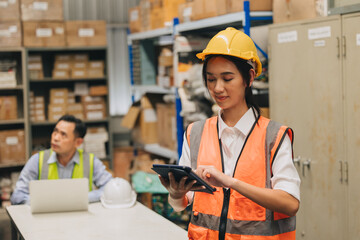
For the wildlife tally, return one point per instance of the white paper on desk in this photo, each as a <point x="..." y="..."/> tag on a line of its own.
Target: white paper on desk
<point x="81" y="89"/>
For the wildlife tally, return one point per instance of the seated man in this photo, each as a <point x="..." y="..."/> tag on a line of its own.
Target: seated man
<point x="63" y="160"/>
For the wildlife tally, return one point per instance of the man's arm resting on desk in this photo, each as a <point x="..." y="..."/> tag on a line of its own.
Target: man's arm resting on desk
<point x="28" y="173"/>
<point x="100" y="178"/>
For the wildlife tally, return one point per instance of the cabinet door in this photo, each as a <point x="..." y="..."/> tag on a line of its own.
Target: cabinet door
<point x="284" y="47"/>
<point x="351" y="73"/>
<point x="306" y="94"/>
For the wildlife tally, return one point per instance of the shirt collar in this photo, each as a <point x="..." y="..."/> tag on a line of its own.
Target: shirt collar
<point x="53" y="158"/>
<point x="243" y="125"/>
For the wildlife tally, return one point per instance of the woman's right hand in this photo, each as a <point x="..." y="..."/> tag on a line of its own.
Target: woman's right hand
<point x="177" y="190"/>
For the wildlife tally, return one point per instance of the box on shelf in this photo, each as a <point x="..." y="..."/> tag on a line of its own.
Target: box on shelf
<point x="58" y="96"/>
<point x="81" y="57"/>
<point x="285" y="11"/>
<point x="185" y="12"/>
<point x="94" y="141"/>
<point x="63" y="57"/>
<point x="95" y="73"/>
<point x="213" y="8"/>
<point x="79" y="65"/>
<point x="86" y="33"/>
<point x="60" y="74"/>
<point x="142" y="118"/>
<point x="12" y="146"/>
<point x="255" y="5"/>
<point x="43" y="34"/>
<point x="171" y="7"/>
<point x="8" y="108"/>
<point x="92" y="99"/>
<point x="134" y="19"/>
<point x="55" y="111"/>
<point x="100" y="90"/>
<point x="35" y="67"/>
<point x="145" y="13"/>
<point x="94" y="111"/>
<point x="9" y="10"/>
<point x="157" y="18"/>
<point x="79" y="73"/>
<point x="44" y="10"/>
<point x="123" y="156"/>
<point x="10" y="33"/>
<point x="96" y="64"/>
<point x="166" y="116"/>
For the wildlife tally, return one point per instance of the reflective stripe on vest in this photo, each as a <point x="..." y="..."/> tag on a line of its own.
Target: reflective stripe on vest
<point x="244" y="217"/>
<point x="81" y="170"/>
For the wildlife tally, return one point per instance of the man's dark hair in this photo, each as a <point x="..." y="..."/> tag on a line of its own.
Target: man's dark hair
<point x="80" y="127"/>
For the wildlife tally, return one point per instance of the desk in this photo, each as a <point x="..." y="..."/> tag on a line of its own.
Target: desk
<point x="136" y="223"/>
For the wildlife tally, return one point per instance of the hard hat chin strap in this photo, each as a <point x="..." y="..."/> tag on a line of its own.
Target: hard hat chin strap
<point x="252" y="64"/>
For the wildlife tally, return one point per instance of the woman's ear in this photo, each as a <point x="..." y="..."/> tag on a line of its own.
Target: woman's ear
<point x="252" y="76"/>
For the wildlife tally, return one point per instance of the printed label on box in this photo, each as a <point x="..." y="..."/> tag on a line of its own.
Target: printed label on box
<point x="321" y="32"/>
<point x="59" y="30"/>
<point x="79" y="65"/>
<point x="5" y="33"/>
<point x="63" y="66"/>
<point x="187" y="11"/>
<point x="59" y="101"/>
<point x="35" y="66"/>
<point x="12" y="140"/>
<point x="286" y="37"/>
<point x="86" y="32"/>
<point x="4" y="4"/>
<point x="149" y="115"/>
<point x="43" y="32"/>
<point x="134" y="15"/>
<point x="94" y="115"/>
<point x="60" y="73"/>
<point x="94" y="107"/>
<point x="40" y="6"/>
<point x="13" y="29"/>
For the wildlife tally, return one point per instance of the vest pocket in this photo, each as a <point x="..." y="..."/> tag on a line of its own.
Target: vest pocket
<point x="242" y="208"/>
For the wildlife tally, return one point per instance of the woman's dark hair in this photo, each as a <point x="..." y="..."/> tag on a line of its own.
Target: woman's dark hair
<point x="80" y="127"/>
<point x="244" y="69"/>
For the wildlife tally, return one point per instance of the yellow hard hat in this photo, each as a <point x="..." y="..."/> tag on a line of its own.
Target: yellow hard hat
<point x="234" y="43"/>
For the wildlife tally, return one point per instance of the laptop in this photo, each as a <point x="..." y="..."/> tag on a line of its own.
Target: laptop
<point x="61" y="195"/>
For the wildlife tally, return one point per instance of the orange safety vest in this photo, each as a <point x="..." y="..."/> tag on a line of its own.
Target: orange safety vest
<point x="227" y="214"/>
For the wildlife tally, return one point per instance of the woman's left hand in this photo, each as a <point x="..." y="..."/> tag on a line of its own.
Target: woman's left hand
<point x="213" y="176"/>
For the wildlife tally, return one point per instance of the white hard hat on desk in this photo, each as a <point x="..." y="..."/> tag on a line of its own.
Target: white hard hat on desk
<point x="118" y="193"/>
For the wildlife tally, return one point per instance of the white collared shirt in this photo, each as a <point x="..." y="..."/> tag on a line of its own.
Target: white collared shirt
<point x="285" y="176"/>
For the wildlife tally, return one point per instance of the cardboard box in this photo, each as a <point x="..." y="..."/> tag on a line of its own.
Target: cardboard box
<point x="122" y="162"/>
<point x="63" y="58"/>
<point x="79" y="73"/>
<point x="44" y="10"/>
<point x="56" y="111"/>
<point x="12" y="146"/>
<point x="74" y="107"/>
<point x="79" y="65"/>
<point x="62" y="65"/>
<point x="198" y="10"/>
<point x="86" y="33"/>
<point x="92" y="99"/>
<point x="96" y="64"/>
<point x="81" y="57"/>
<point x="171" y="10"/>
<point x="134" y="19"/>
<point x="95" y="140"/>
<point x="145" y="13"/>
<point x="58" y="96"/>
<point x="166" y="115"/>
<point x="9" y="10"/>
<point x="285" y="11"/>
<point x="43" y="34"/>
<point x="8" y="108"/>
<point x="95" y="73"/>
<point x="8" y="79"/>
<point x="157" y="18"/>
<point x="10" y="33"/>
<point x="98" y="90"/>
<point x="60" y="74"/>
<point x="185" y="12"/>
<point x="265" y="112"/>
<point x="142" y="118"/>
<point x="255" y="5"/>
<point x="213" y="8"/>
<point x="95" y="110"/>
<point x="95" y="114"/>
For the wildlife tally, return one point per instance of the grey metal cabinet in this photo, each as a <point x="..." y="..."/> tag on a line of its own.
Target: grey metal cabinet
<point x="307" y="90"/>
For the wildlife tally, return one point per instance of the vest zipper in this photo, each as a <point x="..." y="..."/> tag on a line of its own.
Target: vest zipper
<point x="224" y="213"/>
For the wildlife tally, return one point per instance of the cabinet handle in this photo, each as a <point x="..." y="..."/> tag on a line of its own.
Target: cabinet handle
<point x="338" y="47"/>
<point x="346" y="172"/>
<point x="341" y="171"/>
<point x="306" y="163"/>
<point x="297" y="160"/>
<point x="344" y="46"/>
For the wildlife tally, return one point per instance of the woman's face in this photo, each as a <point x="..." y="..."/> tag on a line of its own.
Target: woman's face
<point x="225" y="83"/>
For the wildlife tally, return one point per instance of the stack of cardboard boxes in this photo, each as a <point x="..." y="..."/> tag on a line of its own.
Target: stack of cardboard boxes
<point x="12" y="146"/>
<point x="43" y="25"/>
<point x="8" y="108"/>
<point x="35" y="67"/>
<point x="153" y="14"/>
<point x="95" y="140"/>
<point x="165" y="76"/>
<point x="94" y="107"/>
<point x="37" y="108"/>
<point x="8" y="70"/>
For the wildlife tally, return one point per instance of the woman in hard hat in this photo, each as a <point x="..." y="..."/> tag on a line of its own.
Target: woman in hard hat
<point x="247" y="157"/>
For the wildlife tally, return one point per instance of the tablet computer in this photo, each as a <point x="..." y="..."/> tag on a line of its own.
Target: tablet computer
<point x="180" y="172"/>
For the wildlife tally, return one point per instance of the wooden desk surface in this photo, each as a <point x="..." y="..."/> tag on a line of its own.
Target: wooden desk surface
<point x="136" y="223"/>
